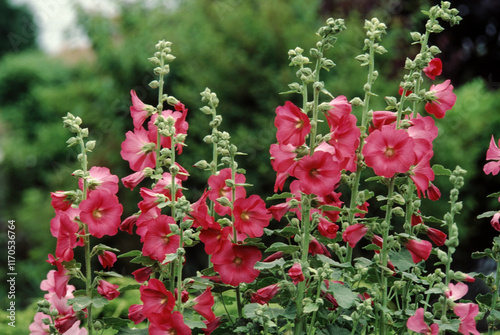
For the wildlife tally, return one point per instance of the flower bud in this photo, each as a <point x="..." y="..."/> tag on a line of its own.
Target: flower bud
<point x="203" y="164"/>
<point x="154" y="84"/>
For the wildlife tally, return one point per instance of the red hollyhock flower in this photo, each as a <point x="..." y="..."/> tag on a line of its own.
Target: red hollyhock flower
<point x="417" y="324"/>
<point x="467" y="313"/>
<point x="159" y="240"/>
<point x="235" y="263"/>
<point x="317" y="248"/>
<point x="363" y="207"/>
<point x="199" y="213"/>
<point x="327" y="228"/>
<point x="204" y="304"/>
<point x="273" y="257"/>
<point x="107" y="290"/>
<point x="340" y="106"/>
<point x="436" y="235"/>
<point x="211" y="325"/>
<point x="101" y="179"/>
<point x="354" y="233"/>
<point x="493" y="155"/>
<point x="389" y="151"/>
<point x="107" y="259"/>
<point x="139" y="149"/>
<point x="293" y="125"/>
<point x="382" y="118"/>
<point x="422" y="174"/>
<point x="60" y="200"/>
<point x="142" y="274"/>
<point x="318" y="174"/>
<point x="101" y="211"/>
<point x="55" y="223"/>
<point x="138" y="110"/>
<point x="132" y="180"/>
<point x="433" y="192"/>
<point x="218" y="189"/>
<point x="434" y="68"/>
<point x="283" y="162"/>
<point x="213" y="237"/>
<point x="135" y="314"/>
<point x="66" y="238"/>
<point x="419" y="250"/>
<point x="156" y="299"/>
<point x="128" y="224"/>
<point x="296" y="274"/>
<point x="56" y="282"/>
<point x="265" y="294"/>
<point x="251" y="216"/>
<point x="168" y="324"/>
<point x="445" y="99"/>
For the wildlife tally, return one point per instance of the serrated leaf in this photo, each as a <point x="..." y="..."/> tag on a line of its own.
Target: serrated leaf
<point x="280" y="246"/>
<point x="453" y="325"/>
<point x="440" y="170"/>
<point x="484" y="299"/>
<point x="283" y="195"/>
<point x="269" y="265"/>
<point x="79" y="303"/>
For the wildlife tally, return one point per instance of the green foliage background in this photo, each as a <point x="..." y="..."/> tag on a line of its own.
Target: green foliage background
<point x="239" y="50"/>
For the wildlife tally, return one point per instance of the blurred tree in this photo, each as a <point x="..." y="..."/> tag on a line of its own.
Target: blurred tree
<point x="17" y="28"/>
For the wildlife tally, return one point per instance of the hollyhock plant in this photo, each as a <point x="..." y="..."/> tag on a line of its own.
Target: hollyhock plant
<point x="138" y="110"/>
<point x="214" y="236"/>
<point x="354" y="233"/>
<point x="296" y="274"/>
<point x="283" y="162"/>
<point x="436" y="235"/>
<point x="419" y="250"/>
<point x="139" y="149"/>
<point x="101" y="179"/>
<point x="250" y="216"/>
<point x="235" y="263"/>
<point x="318" y="174"/>
<point x="107" y="290"/>
<point x="495" y="221"/>
<point x="66" y="238"/>
<point x="467" y="313"/>
<point x="60" y="200"/>
<point x="327" y="228"/>
<point x="132" y="180"/>
<point x="219" y="188"/>
<point x="159" y="241"/>
<point x="180" y="125"/>
<point x="168" y="324"/>
<point x="264" y="295"/>
<point x="456" y="291"/>
<point x="434" y="68"/>
<point x="156" y="299"/>
<point x="444" y="99"/>
<point x="101" y="212"/>
<point x="135" y="313"/>
<point x="292" y="125"/>
<point x="417" y="324"/>
<point x="107" y="259"/>
<point x="493" y="155"/>
<point x="204" y="304"/>
<point x="389" y="151"/>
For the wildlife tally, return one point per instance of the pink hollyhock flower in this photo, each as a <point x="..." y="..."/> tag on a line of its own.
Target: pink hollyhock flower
<point x="332" y="199"/>
<point x="218" y="189"/>
<point x="251" y="216"/>
<point x="142" y="274"/>
<point x="56" y="282"/>
<point x="156" y="299"/>
<point x="296" y="274"/>
<point x="128" y="224"/>
<point x="422" y="174"/>
<point x="445" y="99"/>
<point x="457" y="291"/>
<point x="132" y="180"/>
<point x="211" y="325"/>
<point x="293" y="125"/>
<point x="139" y="149"/>
<point x="417" y="324"/>
<point x="107" y="290"/>
<point x="213" y="237"/>
<point x="433" y="192"/>
<point x="423" y="131"/>
<point x="168" y="324"/>
<point x="363" y="207"/>
<point x="107" y="259"/>
<point x="283" y="162"/>
<point x="159" y="240"/>
<point x="180" y="125"/>
<point x="55" y="223"/>
<point x="135" y="314"/>
<point x="318" y="174"/>
<point x="138" y="110"/>
<point x="382" y="118"/>
<point x="37" y="327"/>
<point x="199" y="213"/>
<point x="495" y="221"/>
<point x="235" y="263"/>
<point x="419" y="250"/>
<point x="66" y="238"/>
<point x="101" y="179"/>
<point x="389" y="151"/>
<point x="493" y="155"/>
<point x="265" y="294"/>
<point x="164" y="186"/>
<point x="354" y="233"/>
<point x="327" y="228"/>
<point x="317" y="248"/>
<point x="273" y="257"/>
<point x="279" y="210"/>
<point x="401" y="91"/>
<point x="204" y="304"/>
<point x="60" y="200"/>
<point x="101" y="212"/>
<point x="467" y="312"/>
<point x="434" y="68"/>
<point x="340" y="106"/>
<point x="143" y="220"/>
<point x="436" y="235"/>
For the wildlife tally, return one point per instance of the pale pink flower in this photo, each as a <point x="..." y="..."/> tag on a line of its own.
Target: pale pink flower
<point x="493" y="155"/>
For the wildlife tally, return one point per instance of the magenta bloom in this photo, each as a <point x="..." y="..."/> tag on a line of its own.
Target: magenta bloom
<point x="204" y="304"/>
<point x="419" y="250"/>
<point x="66" y="238"/>
<point x="445" y="99"/>
<point x="156" y="299"/>
<point x="389" y="151"/>
<point x="159" y="241"/>
<point x="142" y="274"/>
<point x="265" y="294"/>
<point x="107" y="259"/>
<point x="60" y="201"/>
<point x="467" y="312"/>
<point x="293" y="125"/>
<point x="422" y="174"/>
<point x="218" y="189"/>
<point x="101" y="179"/>
<point x="296" y="274"/>
<point x="107" y="290"/>
<point x="251" y="216"/>
<point x="417" y="324"/>
<point x="138" y="110"/>
<point x="235" y="263"/>
<point x="327" y="228"/>
<point x="495" y="221"/>
<point x="213" y="237"/>
<point x="382" y="118"/>
<point x="101" y="211"/>
<point x="493" y="155"/>
<point x="437" y="236"/>
<point x="135" y="314"/>
<point x="139" y="149"/>
<point x="180" y="125"/>
<point x="283" y="162"/>
<point x="132" y="180"/>
<point x="168" y="324"/>
<point x="434" y="68"/>
<point x="318" y="174"/>
<point x="354" y="233"/>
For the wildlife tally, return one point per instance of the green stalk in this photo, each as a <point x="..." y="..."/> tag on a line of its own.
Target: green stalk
<point x="494" y="298"/>
<point x="312" y="329"/>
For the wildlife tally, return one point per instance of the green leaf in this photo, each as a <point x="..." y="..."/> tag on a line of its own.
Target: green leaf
<point x="401" y="260"/>
<point x="280" y="246"/>
<point x="79" y="303"/>
<point x="108" y="274"/>
<point x="132" y="253"/>
<point x="99" y="302"/>
<point x="195" y="324"/>
<point x="115" y="323"/>
<point x="330" y="261"/>
<point x="269" y="265"/>
<point x="452" y="326"/>
<point x="287" y="231"/>
<point x="376" y="178"/>
<point x="440" y="170"/>
<point x="310" y="307"/>
<point x="128" y="331"/>
<point x="249" y="310"/>
<point x="169" y="258"/>
<point x="493" y="195"/>
<point x="344" y="296"/>
<point x="104" y="247"/>
<point x="495" y="314"/>
<point x="484" y="299"/>
<point x="283" y="195"/>
<point x="487" y="214"/>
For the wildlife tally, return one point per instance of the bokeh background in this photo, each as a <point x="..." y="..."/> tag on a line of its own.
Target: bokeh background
<point x="237" y="48"/>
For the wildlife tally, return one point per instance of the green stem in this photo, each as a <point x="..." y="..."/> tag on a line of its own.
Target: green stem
<point x="386" y="225"/>
<point x="494" y="298"/>
<point x="312" y="329"/>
